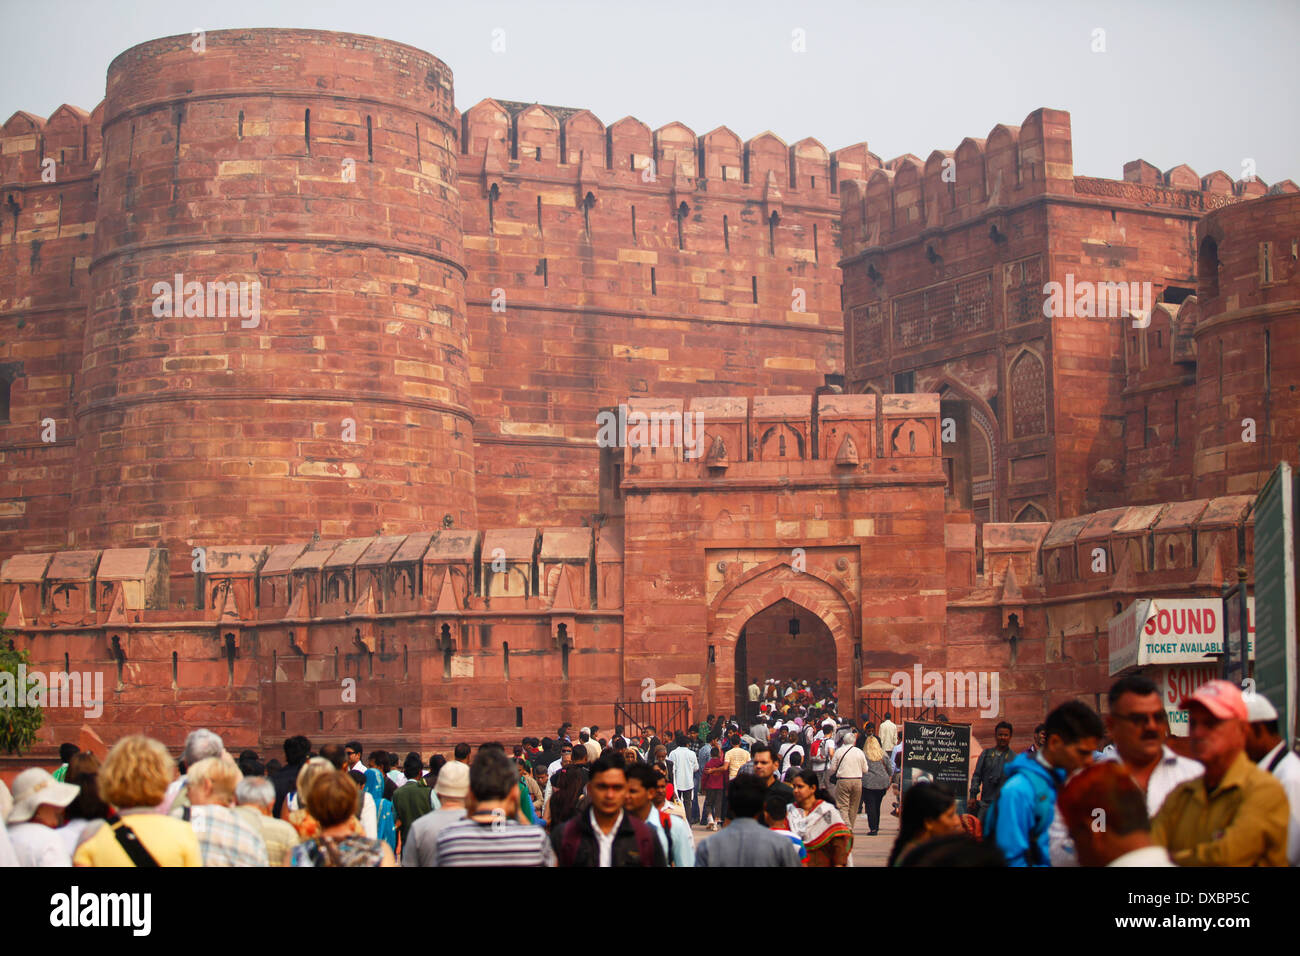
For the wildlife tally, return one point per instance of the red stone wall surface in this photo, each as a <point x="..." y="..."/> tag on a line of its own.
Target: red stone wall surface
<point x="230" y="166"/>
<point x="614" y="262"/>
<point x="1248" y="343"/>
<point x="45" y="251"/>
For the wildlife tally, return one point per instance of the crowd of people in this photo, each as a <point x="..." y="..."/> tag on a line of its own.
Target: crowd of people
<point x="786" y="790"/>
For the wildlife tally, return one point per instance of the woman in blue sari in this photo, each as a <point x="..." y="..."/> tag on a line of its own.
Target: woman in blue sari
<point x="387" y="819"/>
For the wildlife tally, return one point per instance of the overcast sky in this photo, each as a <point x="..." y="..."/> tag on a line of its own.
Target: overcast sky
<point x="1209" y="84"/>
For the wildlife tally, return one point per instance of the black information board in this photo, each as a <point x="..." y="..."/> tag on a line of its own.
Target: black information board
<point x="938" y="752"/>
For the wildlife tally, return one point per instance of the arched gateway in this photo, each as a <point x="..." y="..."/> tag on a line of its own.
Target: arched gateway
<point x="749" y="633"/>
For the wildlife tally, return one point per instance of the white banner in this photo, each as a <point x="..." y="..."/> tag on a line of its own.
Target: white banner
<point x="1172" y="631"/>
<point x="1176" y="683"/>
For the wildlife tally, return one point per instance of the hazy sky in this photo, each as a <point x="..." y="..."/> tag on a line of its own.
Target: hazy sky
<point x="1180" y="81"/>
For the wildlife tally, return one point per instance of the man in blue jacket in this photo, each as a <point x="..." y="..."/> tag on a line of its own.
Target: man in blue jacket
<point x="1021" y="819"/>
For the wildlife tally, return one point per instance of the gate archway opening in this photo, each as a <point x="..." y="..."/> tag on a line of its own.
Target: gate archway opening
<point x="767" y="649"/>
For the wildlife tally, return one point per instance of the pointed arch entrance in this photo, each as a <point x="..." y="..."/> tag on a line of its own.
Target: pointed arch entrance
<point x="766" y="596"/>
<point x="784" y="641"/>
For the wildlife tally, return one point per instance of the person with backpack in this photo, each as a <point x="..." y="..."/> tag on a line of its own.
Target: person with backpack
<point x="606" y="835"/>
<point x="821" y="748"/>
<point x="1020" y="822"/>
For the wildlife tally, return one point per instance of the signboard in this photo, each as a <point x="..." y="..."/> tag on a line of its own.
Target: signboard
<point x="1275" y="667"/>
<point x="1171" y="631"/>
<point x="937" y="752"/>
<point x="1175" y="683"/>
<point x="1123" y="630"/>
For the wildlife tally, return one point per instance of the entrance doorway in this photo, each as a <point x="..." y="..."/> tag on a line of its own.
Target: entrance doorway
<point x="771" y="646"/>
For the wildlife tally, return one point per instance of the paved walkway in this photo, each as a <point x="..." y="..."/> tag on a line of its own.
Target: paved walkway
<point x="867" y="850"/>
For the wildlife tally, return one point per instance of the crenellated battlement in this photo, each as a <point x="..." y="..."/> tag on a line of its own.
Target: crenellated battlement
<point x="568" y="142"/>
<point x="907" y="198"/>
<point x="71" y="137"/>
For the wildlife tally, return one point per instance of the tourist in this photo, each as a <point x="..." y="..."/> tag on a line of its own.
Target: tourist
<point x="412" y="799"/>
<point x="990" y="770"/>
<point x="1105" y="814"/>
<point x="796" y="765"/>
<point x="66" y="753"/>
<point x="606" y="835"/>
<point x="673" y="819"/>
<point x="379" y="762"/>
<point x="1040" y="739"/>
<point x="254" y="798"/>
<point x="566" y="758"/>
<point x="535" y="793"/>
<point x="847" y="769"/>
<point x="460" y="753"/>
<point x="638" y="801"/>
<point x="88" y="812"/>
<point x="336" y="754"/>
<point x="828" y="840"/>
<point x="684" y="768"/>
<point x="875" y="782"/>
<point x="452" y="789"/>
<point x="888" y="733"/>
<point x="490" y="834"/>
<point x="133" y="781"/>
<point x="929" y="811"/>
<point x="821" y="749"/>
<point x="745" y="841"/>
<point x="385" y="817"/>
<point x="759" y="730"/>
<point x="775" y="810"/>
<point x="36" y="816"/>
<point x="199" y="745"/>
<point x="394" y="774"/>
<point x="296" y="751"/>
<point x="295" y="807"/>
<point x="568" y="791"/>
<point x="1021" y="820"/>
<point x="226" y="838"/>
<point x="765" y="770"/>
<point x="790" y="747"/>
<point x="713" y="777"/>
<point x="332" y="800"/>
<point x="1139" y="727"/>
<point x="1268" y="749"/>
<point x="588" y="744"/>
<point x="1236" y="813"/>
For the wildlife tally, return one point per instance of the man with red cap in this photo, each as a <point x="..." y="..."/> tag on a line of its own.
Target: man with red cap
<point x="1234" y="815"/>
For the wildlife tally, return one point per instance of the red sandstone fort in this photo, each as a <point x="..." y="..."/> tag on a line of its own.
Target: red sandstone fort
<point x="393" y="474"/>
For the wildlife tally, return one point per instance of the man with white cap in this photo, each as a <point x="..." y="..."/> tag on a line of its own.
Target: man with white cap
<point x="452" y="788"/>
<point x="593" y="747"/>
<point x="39" y="802"/>
<point x="1266" y="747"/>
<point x="1235" y="814"/>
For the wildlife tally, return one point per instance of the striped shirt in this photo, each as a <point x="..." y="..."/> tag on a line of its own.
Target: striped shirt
<point x="469" y="842"/>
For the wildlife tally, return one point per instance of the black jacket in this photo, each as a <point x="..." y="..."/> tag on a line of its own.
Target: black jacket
<point x="285" y="782"/>
<point x="575" y="844"/>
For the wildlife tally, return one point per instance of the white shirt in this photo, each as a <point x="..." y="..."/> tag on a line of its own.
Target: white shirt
<point x="1147" y="856"/>
<point x="825" y="750"/>
<point x="605" y="840"/>
<point x="1170" y="771"/>
<point x="38" y="845"/>
<point x="1287" y="773"/>
<point x="786" y="750"/>
<point x="684" y="767"/>
<point x="7" y="856"/>
<point x="888" y="731"/>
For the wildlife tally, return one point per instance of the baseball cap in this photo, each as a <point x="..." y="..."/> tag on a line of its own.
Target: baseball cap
<point x="1258" y="708"/>
<point x="1221" y="698"/>
<point x="453" y="780"/>
<point x="35" y="787"/>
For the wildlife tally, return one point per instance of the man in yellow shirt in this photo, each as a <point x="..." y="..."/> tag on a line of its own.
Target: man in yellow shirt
<point x="1236" y="814"/>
